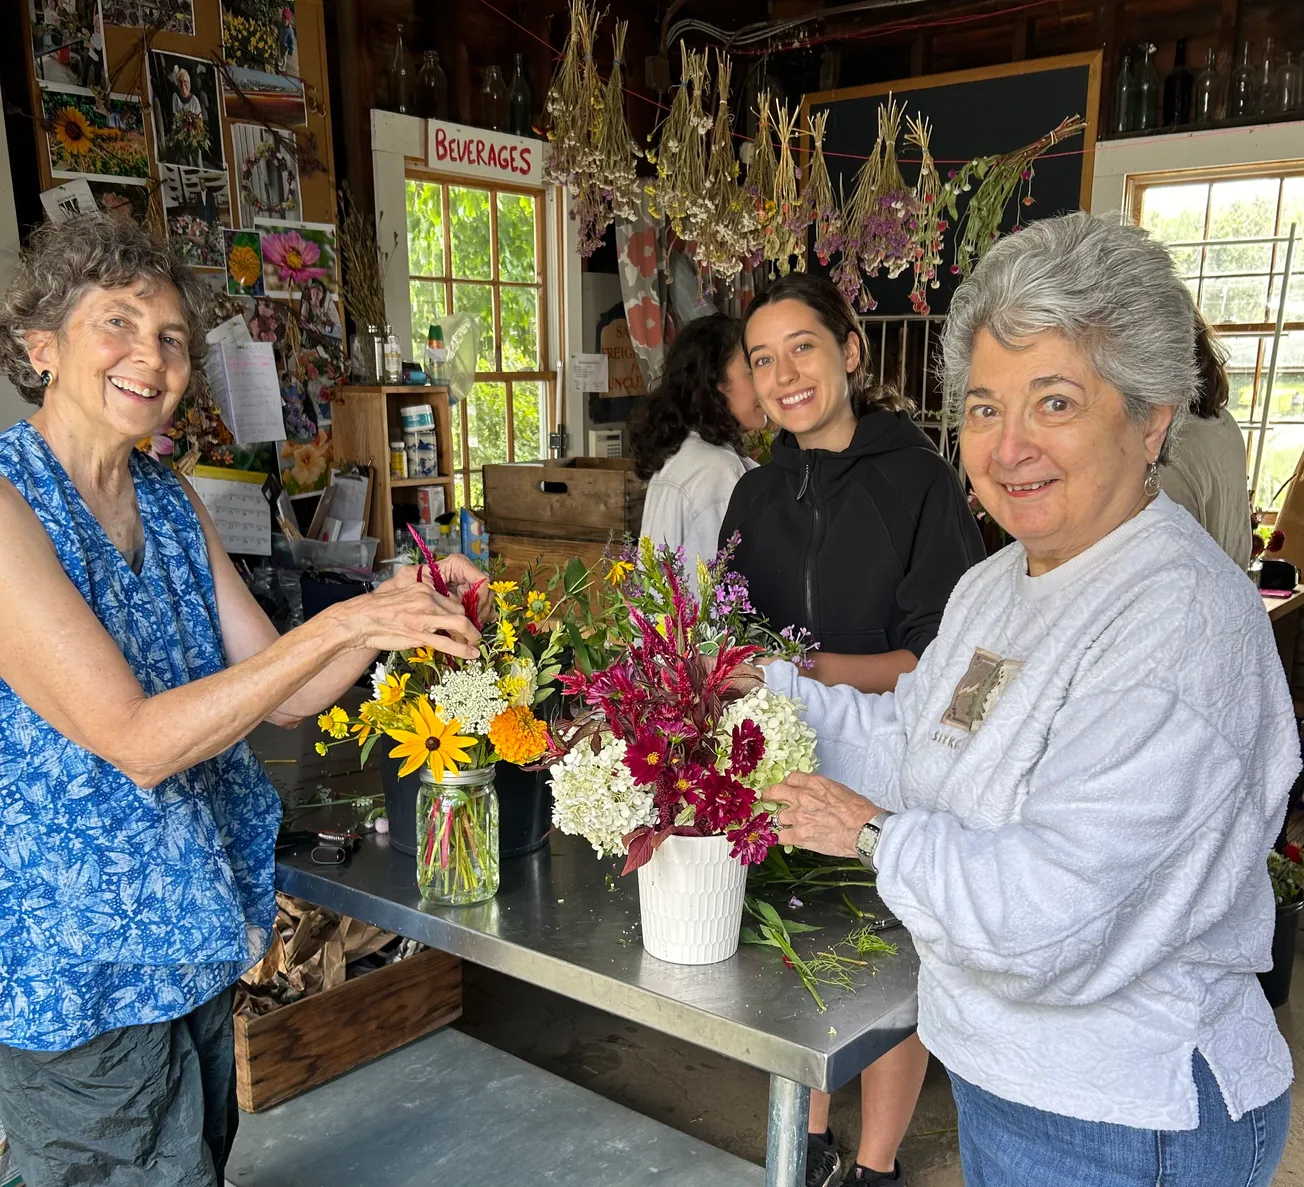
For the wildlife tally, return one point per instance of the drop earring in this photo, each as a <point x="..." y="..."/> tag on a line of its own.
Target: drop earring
<point x="1151" y="486"/>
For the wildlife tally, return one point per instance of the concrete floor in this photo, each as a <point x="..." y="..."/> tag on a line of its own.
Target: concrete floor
<point x="723" y="1102"/>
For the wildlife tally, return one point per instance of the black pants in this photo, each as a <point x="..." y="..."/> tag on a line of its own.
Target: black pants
<point x="144" y="1106"/>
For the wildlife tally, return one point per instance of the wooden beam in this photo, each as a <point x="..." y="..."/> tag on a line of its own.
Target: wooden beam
<point x="1021" y="47"/>
<point x="921" y="53"/>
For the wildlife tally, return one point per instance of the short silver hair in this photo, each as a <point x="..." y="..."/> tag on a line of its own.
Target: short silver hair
<point x="1107" y="287"/>
<point x="61" y="262"/>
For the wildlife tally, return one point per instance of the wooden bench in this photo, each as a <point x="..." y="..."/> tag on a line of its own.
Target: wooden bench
<point x="453" y="1111"/>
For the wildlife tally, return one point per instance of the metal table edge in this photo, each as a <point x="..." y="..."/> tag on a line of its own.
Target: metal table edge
<point x="819" y="1070"/>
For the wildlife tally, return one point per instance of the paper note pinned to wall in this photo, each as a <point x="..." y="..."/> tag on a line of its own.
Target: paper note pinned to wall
<point x="588" y="372"/>
<point x="240" y="513"/>
<point x="247" y="390"/>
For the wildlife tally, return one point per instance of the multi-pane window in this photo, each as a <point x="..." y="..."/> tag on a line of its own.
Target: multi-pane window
<point x="480" y="250"/>
<point x="1238" y="288"/>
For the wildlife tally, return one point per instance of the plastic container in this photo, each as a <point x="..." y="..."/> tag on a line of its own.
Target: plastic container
<point x="398" y="460"/>
<point x="691" y="900"/>
<point x="417" y="416"/>
<point x="323" y="554"/>
<point x="420" y="446"/>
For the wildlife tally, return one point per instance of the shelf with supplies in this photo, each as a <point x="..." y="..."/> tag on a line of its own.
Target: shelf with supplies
<point x="363" y="423"/>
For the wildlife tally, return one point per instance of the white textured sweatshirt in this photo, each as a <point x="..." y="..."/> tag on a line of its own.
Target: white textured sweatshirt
<point x="687" y="498"/>
<point x="1083" y="871"/>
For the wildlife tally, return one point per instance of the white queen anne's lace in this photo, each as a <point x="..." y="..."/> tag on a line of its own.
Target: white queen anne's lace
<point x="789" y="741"/>
<point x="471" y="695"/>
<point x="595" y="797"/>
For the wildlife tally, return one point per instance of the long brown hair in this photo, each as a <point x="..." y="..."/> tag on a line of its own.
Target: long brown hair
<point x="822" y="298"/>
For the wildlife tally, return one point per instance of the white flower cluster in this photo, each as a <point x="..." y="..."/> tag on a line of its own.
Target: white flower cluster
<point x="595" y="797"/>
<point x="471" y="695"/>
<point x="789" y="741"/>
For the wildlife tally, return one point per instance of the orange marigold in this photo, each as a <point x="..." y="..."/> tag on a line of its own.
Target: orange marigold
<point x="517" y="735"/>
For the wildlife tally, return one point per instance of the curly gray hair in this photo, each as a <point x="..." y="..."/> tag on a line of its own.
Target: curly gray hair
<point x="61" y="263"/>
<point x="1107" y="287"/>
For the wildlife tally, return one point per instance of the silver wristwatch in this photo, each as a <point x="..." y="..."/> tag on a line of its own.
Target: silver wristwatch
<point x="867" y="841"/>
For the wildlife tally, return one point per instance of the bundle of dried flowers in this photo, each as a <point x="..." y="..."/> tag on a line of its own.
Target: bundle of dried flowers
<point x="928" y="225"/>
<point x="680" y="189"/>
<point x="785" y="236"/>
<point x="820" y="206"/>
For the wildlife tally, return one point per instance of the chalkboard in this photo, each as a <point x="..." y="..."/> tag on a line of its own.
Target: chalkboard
<point x="973" y="113"/>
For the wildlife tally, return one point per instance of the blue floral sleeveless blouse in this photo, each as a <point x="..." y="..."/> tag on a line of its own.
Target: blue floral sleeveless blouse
<point x="121" y="905"/>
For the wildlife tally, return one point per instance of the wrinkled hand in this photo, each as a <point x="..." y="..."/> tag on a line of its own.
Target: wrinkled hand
<point x="819" y="814"/>
<point x="402" y="613"/>
<point x="460" y="575"/>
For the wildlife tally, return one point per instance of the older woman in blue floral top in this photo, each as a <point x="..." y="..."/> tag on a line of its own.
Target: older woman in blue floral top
<point x="137" y="829"/>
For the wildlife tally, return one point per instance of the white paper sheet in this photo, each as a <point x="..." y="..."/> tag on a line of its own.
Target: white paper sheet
<point x="66" y="201"/>
<point x="588" y="372"/>
<point x="247" y="390"/>
<point x="240" y="513"/>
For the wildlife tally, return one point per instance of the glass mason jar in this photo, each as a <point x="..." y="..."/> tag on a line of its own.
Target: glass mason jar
<point x="457" y="838"/>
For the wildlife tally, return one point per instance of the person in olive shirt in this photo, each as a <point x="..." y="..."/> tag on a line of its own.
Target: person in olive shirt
<point x="857" y="530"/>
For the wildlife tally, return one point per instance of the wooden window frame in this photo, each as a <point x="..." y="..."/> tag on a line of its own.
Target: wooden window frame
<point x="541" y="375"/>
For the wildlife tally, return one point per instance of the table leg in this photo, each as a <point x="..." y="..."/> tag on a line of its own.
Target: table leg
<point x="785" y="1145"/>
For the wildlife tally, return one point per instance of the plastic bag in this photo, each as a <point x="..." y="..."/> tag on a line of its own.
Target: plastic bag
<point x="461" y="340"/>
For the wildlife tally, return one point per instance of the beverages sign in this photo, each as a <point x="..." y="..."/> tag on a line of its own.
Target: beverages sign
<point x="475" y="152"/>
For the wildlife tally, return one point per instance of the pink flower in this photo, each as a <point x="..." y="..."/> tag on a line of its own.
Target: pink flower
<point x="292" y="256"/>
<point x="647" y="757"/>
<point x="752" y="841"/>
<point x="641" y="251"/>
<point x="748" y="748"/>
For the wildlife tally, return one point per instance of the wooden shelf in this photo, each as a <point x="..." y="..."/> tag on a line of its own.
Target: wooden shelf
<point x="364" y="421"/>
<point x="433" y="480"/>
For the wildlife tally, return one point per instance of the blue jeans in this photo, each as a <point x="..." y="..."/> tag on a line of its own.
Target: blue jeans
<point x="1003" y="1144"/>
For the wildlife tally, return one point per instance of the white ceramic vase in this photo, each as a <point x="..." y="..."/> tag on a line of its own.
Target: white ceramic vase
<point x="691" y="896"/>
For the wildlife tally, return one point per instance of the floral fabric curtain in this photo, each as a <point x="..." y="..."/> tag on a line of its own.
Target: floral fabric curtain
<point x="640" y="245"/>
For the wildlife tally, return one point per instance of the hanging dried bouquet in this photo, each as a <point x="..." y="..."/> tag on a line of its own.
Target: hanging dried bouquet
<point x="679" y="192"/>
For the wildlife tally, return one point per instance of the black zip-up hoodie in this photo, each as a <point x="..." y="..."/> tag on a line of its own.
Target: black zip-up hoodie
<point x="862" y="547"/>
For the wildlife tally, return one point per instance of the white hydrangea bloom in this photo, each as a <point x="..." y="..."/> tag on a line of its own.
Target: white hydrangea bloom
<point x="471" y="695"/>
<point x="595" y="797"/>
<point x="789" y="741"/>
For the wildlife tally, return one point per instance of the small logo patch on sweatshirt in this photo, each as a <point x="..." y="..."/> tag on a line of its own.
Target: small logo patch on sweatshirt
<point x="979" y="689"/>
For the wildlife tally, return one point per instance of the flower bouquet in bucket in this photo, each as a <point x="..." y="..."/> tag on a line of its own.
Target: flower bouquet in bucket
<point x="450" y="720"/>
<point x="668" y="760"/>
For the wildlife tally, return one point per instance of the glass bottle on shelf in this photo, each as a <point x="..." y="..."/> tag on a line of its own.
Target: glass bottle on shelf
<point x="392" y="357"/>
<point x="1177" y="89"/>
<point x="1267" y="77"/>
<point x="1206" y="92"/>
<point x="1286" y="90"/>
<point x="1124" y="96"/>
<point x="493" y="100"/>
<point x="519" y="101"/>
<point x="400" y="77"/>
<point x="1241" y="92"/>
<point x="1147" y="93"/>
<point x="432" y="88"/>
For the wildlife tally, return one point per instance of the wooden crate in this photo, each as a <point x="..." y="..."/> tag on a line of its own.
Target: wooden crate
<point x="586" y="498"/>
<point x="520" y="552"/>
<point x="281" y="1054"/>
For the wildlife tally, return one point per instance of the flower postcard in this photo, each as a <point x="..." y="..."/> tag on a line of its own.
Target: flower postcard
<point x="294" y="254"/>
<point x="86" y="140"/>
<point x="244" y="263"/>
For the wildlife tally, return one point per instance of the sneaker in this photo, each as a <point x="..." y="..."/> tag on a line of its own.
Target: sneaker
<point x="859" y="1175"/>
<point x="822" y="1161"/>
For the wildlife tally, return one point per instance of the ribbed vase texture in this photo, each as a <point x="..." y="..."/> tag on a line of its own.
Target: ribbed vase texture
<point x="691" y="895"/>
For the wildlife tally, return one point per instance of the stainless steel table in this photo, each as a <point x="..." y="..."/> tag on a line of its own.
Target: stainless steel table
<point x="563" y="922"/>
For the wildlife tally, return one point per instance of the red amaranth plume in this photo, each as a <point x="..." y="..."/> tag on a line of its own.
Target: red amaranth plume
<point x="436" y="577"/>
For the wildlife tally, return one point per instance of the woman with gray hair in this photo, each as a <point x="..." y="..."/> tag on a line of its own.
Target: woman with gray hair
<point x="137" y="829"/>
<point x="1070" y="800"/>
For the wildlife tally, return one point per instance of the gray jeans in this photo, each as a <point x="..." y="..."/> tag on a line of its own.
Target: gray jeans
<point x="143" y="1106"/>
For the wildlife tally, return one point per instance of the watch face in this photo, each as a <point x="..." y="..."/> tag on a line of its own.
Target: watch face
<point x="866" y="840"/>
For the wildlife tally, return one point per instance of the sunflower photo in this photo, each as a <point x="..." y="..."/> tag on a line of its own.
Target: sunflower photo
<point x="85" y="142"/>
<point x="244" y="264"/>
<point x="296" y="253"/>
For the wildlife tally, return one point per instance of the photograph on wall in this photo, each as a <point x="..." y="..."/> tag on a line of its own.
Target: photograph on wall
<point x="83" y="141"/>
<point x="128" y="200"/>
<point x="68" y="42"/>
<point x="268" y="174"/>
<point x="186" y="115"/>
<point x="167" y="16"/>
<point x="259" y="95"/>
<point x="244" y="263"/>
<point x="296" y="253"/>
<point x="260" y="35"/>
<point x="196" y="209"/>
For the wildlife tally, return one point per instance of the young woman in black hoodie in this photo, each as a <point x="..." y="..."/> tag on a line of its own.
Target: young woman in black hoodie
<point x="857" y="530"/>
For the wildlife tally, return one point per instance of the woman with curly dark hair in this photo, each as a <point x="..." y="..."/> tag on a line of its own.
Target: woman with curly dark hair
<point x="687" y="440"/>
